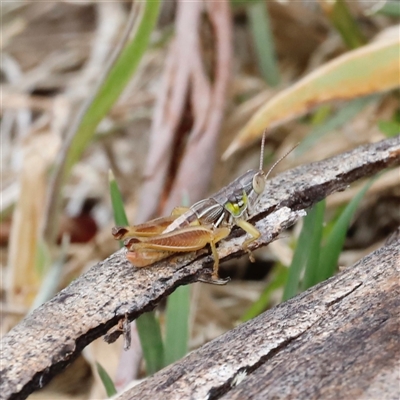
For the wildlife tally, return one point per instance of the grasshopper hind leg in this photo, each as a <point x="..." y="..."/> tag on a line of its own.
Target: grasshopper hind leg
<point x="215" y="279"/>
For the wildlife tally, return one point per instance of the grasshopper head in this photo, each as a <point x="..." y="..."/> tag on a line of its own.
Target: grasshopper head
<point x="247" y="190"/>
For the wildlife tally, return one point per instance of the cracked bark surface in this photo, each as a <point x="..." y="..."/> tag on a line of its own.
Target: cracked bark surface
<point x="53" y="335"/>
<point x="337" y="340"/>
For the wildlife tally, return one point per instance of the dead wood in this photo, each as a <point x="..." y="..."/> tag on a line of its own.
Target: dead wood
<point x="53" y="335"/>
<point x="337" y="340"/>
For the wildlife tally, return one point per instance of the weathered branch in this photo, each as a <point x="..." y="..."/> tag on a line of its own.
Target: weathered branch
<point x="54" y="334"/>
<point x="338" y="340"/>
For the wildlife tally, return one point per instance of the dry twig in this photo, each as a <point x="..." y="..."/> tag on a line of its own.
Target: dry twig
<point x="53" y="335"/>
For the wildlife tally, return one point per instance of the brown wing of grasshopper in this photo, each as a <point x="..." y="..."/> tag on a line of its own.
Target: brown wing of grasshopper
<point x="151" y="228"/>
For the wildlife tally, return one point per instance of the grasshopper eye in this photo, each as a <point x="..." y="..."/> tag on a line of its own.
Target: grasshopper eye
<point x="258" y="183"/>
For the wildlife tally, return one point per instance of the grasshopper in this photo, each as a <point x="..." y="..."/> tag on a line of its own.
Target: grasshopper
<point x="206" y="222"/>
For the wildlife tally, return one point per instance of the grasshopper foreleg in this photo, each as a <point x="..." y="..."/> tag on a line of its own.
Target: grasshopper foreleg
<point x="252" y="231"/>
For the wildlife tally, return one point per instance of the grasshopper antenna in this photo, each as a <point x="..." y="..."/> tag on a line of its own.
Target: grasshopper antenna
<point x="279" y="160"/>
<point x="262" y="149"/>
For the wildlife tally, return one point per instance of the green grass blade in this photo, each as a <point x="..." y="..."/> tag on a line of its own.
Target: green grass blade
<point x="243" y="3"/>
<point x="316" y="216"/>
<point x="110" y="86"/>
<point x="177" y="325"/>
<point x="151" y="340"/>
<point x="321" y="114"/>
<point x="390" y="8"/>
<point x="278" y="280"/>
<point x="115" y="82"/>
<point x="334" y="242"/>
<point x="106" y="380"/>
<point x="346" y="25"/>
<point x="300" y="257"/>
<point x="389" y="128"/>
<point x="147" y="324"/>
<point x="117" y="203"/>
<point x="264" y="42"/>
<point x="329" y="225"/>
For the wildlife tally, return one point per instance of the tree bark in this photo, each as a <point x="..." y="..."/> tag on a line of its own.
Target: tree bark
<point x="338" y="340"/>
<point x="53" y="335"/>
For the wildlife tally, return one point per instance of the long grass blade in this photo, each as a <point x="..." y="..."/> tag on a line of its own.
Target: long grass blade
<point x="316" y="216"/>
<point x="264" y="42"/>
<point x="389" y="128"/>
<point x="177" y="325"/>
<point x="151" y="340"/>
<point x="115" y="82"/>
<point x="117" y="203"/>
<point x="299" y="260"/>
<point x="342" y="19"/>
<point x="334" y="242"/>
<point x="338" y="79"/>
<point x="147" y="324"/>
<point x="390" y="8"/>
<point x="106" y="380"/>
<point x="83" y="127"/>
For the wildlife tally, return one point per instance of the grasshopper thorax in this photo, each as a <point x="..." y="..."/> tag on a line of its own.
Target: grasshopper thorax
<point x="246" y="191"/>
